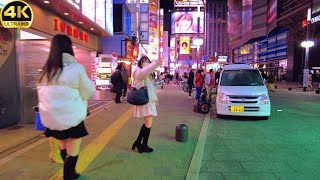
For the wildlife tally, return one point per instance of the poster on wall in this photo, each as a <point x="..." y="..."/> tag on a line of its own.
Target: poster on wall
<point x="109" y="16"/>
<point x="186" y="22"/>
<point x="172" y="55"/>
<point x="100" y="9"/>
<point x="88" y="9"/>
<point x="184" y="45"/>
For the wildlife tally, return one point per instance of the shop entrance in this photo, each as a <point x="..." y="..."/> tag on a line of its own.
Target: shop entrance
<point x="32" y="52"/>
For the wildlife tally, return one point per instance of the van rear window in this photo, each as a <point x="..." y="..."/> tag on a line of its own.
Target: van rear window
<point x="244" y="77"/>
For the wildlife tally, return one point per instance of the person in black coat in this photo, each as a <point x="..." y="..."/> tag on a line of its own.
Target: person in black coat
<point x="117" y="82"/>
<point x="190" y="81"/>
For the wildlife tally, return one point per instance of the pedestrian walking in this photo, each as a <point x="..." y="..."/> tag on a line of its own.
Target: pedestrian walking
<point x="143" y="77"/>
<point x="177" y="78"/>
<point x="209" y="81"/>
<point x="310" y="81"/>
<point x="161" y="79"/>
<point x="117" y="83"/>
<point x="271" y="82"/>
<point x="190" y="81"/>
<point x="199" y="84"/>
<point x="217" y="76"/>
<point x="63" y="90"/>
<point x="125" y="79"/>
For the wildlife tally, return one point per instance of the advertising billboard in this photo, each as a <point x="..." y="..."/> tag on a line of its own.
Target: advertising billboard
<point x="188" y="3"/>
<point x="186" y="22"/>
<point x="109" y="16"/>
<point x="100" y="9"/>
<point x="184" y="45"/>
<point x="88" y="9"/>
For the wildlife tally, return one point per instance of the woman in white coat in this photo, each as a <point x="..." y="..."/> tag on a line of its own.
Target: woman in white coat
<point x="143" y="77"/>
<point x="63" y="90"/>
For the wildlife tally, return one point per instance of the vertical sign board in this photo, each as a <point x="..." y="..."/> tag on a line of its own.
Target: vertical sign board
<point x="153" y="51"/>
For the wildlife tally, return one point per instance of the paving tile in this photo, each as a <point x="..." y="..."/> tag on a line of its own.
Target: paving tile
<point x="298" y="176"/>
<point x="210" y="166"/>
<point x="249" y="176"/>
<point x="211" y="176"/>
<point x="305" y="166"/>
<point x="230" y="156"/>
<point x="266" y="167"/>
<point x="161" y="171"/>
<point x="269" y="156"/>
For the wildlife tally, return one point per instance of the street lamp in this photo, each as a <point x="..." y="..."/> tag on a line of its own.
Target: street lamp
<point x="307" y="44"/>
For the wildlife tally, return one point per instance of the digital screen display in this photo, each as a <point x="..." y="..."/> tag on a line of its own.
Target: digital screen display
<point x="74" y="3"/>
<point x="100" y="10"/>
<point x="88" y="9"/>
<point x="184" y="45"/>
<point x="186" y="22"/>
<point x="109" y="16"/>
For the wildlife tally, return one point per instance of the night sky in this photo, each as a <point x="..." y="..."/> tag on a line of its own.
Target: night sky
<point x="167" y="5"/>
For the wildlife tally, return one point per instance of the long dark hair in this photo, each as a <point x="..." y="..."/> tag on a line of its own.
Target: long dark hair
<point x="142" y="60"/>
<point x="60" y="43"/>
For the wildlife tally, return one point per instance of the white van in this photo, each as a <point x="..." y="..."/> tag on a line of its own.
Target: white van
<point x="242" y="92"/>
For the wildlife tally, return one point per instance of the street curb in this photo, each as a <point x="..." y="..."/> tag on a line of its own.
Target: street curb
<point x="195" y="165"/>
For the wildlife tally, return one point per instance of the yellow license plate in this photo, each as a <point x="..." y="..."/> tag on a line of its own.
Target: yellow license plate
<point x="237" y="109"/>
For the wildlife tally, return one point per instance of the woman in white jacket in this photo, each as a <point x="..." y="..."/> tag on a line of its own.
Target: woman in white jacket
<point x="143" y="77"/>
<point x="63" y="90"/>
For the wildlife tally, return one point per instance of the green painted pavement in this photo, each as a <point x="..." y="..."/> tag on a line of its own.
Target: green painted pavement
<point x="287" y="146"/>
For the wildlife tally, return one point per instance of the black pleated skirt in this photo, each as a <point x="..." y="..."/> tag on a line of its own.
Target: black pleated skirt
<point x="75" y="132"/>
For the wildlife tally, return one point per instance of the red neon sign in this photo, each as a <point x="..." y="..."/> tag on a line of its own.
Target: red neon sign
<point x="71" y="31"/>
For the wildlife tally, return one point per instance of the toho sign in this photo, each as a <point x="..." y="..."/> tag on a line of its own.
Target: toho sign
<point x="315" y="19"/>
<point x="16" y="14"/>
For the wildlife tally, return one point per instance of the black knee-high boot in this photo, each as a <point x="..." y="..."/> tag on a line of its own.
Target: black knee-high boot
<point x="69" y="168"/>
<point x="145" y="146"/>
<point x="63" y="153"/>
<point x="137" y="143"/>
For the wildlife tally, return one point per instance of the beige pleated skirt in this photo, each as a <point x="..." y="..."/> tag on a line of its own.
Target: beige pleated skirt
<point x="149" y="109"/>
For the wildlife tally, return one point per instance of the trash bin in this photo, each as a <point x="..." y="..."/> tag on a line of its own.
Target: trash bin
<point x="182" y="133"/>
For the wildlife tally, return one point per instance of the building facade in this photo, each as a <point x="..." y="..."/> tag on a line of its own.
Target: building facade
<point x="217" y="38"/>
<point x="23" y="52"/>
<point x="187" y="26"/>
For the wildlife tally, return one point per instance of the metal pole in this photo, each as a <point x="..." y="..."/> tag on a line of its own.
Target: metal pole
<point x="306" y="65"/>
<point x="198" y="46"/>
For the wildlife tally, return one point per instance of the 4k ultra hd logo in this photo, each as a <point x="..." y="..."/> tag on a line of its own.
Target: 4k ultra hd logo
<point x="16" y="14"/>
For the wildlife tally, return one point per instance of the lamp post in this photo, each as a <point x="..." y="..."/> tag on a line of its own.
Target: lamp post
<point x="307" y="44"/>
<point x="198" y="43"/>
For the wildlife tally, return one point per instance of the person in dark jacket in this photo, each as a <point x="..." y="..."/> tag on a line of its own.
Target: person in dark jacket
<point x="117" y="82"/>
<point x="125" y="78"/>
<point x="190" y="81"/>
<point x="217" y="76"/>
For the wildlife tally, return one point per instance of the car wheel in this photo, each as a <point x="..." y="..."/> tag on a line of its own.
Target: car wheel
<point x="264" y="117"/>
